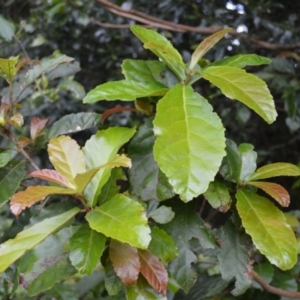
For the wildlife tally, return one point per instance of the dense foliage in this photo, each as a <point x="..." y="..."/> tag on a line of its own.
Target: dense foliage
<point x="167" y="189"/>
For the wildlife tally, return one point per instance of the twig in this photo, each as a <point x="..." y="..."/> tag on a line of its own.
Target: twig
<point x="272" y="289"/>
<point x="151" y="21"/>
<point x="81" y="199"/>
<point x="22" y="47"/>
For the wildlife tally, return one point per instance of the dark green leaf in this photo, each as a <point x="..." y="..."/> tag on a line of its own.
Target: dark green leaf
<point x="113" y="283"/>
<point x="234" y="258"/>
<point x="10" y="178"/>
<point x="264" y="270"/>
<point x="162" y="215"/>
<point x="74" y="123"/>
<point x="86" y="247"/>
<point x="146" y="179"/>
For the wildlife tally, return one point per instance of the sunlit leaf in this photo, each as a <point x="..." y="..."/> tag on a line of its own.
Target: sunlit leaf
<point x="99" y="150"/>
<point x="33" y="194"/>
<point x="122" y="219"/>
<point x="147" y="181"/>
<point x="267" y="226"/>
<point x="37" y="126"/>
<point x="249" y="89"/>
<point x="16" y="120"/>
<point x="242" y="60"/>
<point x="190" y="138"/>
<point x="13" y="249"/>
<point x="206" y="45"/>
<point x="125" y="260"/>
<point x="66" y="156"/>
<point x="276" y="191"/>
<point x="8" y="67"/>
<point x="154" y="271"/>
<point x="86" y="247"/>
<point x="124" y="90"/>
<point x="273" y="170"/>
<point x="7" y="29"/>
<point x="74" y="123"/>
<point x="10" y="178"/>
<point x="52" y="176"/>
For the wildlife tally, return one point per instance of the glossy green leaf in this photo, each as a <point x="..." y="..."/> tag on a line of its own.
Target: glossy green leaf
<point x="7" y="29"/>
<point x="122" y="219"/>
<point x="234" y="258"/>
<point x="190" y="138"/>
<point x="274" y="170"/>
<point x="66" y="156"/>
<point x="249" y="89"/>
<point x="248" y="164"/>
<point x="206" y="45"/>
<point x="185" y="226"/>
<point x="267" y="226"/>
<point x="143" y="291"/>
<point x="126" y="90"/>
<point x="162" y="215"/>
<point x="154" y="271"/>
<point x="99" y="150"/>
<point x="4" y="159"/>
<point x="146" y="179"/>
<point x="10" y="178"/>
<point x="162" y="245"/>
<point x="113" y="283"/>
<point x="218" y="196"/>
<point x="125" y="260"/>
<point x="74" y="123"/>
<point x="13" y="249"/>
<point x="86" y="247"/>
<point x="242" y="60"/>
<point x="8" y="68"/>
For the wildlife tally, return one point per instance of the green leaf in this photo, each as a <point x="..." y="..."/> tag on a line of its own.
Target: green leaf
<point x="7" y="29"/>
<point x="10" y="178"/>
<point x="125" y="90"/>
<point x="274" y="170"/>
<point x="249" y="89"/>
<point x="125" y="260"/>
<point x="123" y="219"/>
<point x="13" y="249"/>
<point x="74" y="123"/>
<point x="242" y="60"/>
<point x="162" y="245"/>
<point x="99" y="150"/>
<point x="248" y="164"/>
<point x="146" y="179"/>
<point x="8" y="68"/>
<point x="66" y="156"/>
<point x="267" y="226"/>
<point x="190" y="138"/>
<point x="218" y="196"/>
<point x="185" y="226"/>
<point x="143" y="291"/>
<point x="162" y="215"/>
<point x="4" y="159"/>
<point x="206" y="45"/>
<point x="234" y="258"/>
<point x="113" y="283"/>
<point x="86" y="247"/>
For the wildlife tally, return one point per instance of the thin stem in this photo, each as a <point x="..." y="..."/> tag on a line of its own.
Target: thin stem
<point x="22" y="47"/>
<point x="81" y="199"/>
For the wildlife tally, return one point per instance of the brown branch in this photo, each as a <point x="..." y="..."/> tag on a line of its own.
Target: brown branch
<point x="151" y="21"/>
<point x="272" y="289"/>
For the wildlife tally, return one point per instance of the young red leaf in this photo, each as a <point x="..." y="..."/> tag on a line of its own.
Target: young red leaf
<point x="125" y="260"/>
<point x="36" y="126"/>
<point x="33" y="194"/>
<point x="154" y="271"/>
<point x="53" y="176"/>
<point x="276" y="191"/>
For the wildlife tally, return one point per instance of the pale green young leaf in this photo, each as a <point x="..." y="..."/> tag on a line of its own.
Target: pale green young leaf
<point x="8" y="68"/>
<point x="239" y="85"/>
<point x="7" y="29"/>
<point x="267" y="226"/>
<point x="81" y="180"/>
<point x="126" y="90"/>
<point x="86" y="247"/>
<point x="248" y="160"/>
<point x="66" y="156"/>
<point x="27" y="239"/>
<point x="162" y="215"/>
<point x="242" y="60"/>
<point x="190" y="138"/>
<point x="33" y="194"/>
<point x="274" y="170"/>
<point x="206" y="45"/>
<point x="99" y="150"/>
<point x="4" y="159"/>
<point x="122" y="219"/>
<point x="10" y="178"/>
